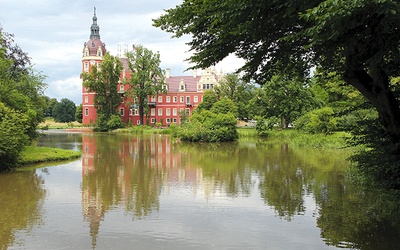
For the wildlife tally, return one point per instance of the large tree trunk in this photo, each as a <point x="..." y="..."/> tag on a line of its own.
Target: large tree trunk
<point x="375" y="87"/>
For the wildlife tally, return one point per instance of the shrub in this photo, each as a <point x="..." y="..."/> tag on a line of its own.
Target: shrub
<point x="317" y="121"/>
<point x="13" y="128"/>
<point x="207" y="126"/>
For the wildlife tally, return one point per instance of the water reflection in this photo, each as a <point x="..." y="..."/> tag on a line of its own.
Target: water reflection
<point x="132" y="172"/>
<point x="248" y="194"/>
<point x="21" y="204"/>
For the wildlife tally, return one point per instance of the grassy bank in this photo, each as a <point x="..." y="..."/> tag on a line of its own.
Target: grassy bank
<point x="49" y="123"/>
<point x="33" y="154"/>
<point x="299" y="139"/>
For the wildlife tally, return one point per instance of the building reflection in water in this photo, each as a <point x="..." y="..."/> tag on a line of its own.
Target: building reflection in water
<point x="130" y="172"/>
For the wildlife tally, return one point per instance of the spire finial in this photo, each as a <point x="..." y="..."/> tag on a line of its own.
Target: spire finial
<point x="94" y="29"/>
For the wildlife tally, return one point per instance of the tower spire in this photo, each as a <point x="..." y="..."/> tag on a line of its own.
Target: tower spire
<point x="94" y="29"/>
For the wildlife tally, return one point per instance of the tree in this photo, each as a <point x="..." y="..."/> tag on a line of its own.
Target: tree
<point x="22" y="102"/>
<point x="146" y="79"/>
<point x="358" y="39"/>
<point x="64" y="111"/>
<point x="283" y="97"/>
<point x="225" y="106"/>
<point x="104" y="82"/>
<point x="236" y="89"/>
<point x="209" y="98"/>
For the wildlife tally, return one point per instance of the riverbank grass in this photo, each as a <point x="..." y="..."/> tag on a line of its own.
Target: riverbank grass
<point x="300" y="139"/>
<point x="33" y="154"/>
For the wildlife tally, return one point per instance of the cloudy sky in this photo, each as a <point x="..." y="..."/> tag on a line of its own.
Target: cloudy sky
<point x="53" y="32"/>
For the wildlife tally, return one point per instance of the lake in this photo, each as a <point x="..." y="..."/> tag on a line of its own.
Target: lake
<point x="152" y="192"/>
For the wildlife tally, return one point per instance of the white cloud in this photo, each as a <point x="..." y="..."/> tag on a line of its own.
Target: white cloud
<point x="53" y="32"/>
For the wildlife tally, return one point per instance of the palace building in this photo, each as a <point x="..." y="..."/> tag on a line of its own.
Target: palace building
<point x="184" y="92"/>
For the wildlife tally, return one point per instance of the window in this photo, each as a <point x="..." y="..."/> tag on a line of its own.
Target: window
<point x="133" y="112"/>
<point x="160" y="111"/>
<point x="121" y="111"/>
<point x="121" y="88"/>
<point x="86" y="67"/>
<point x="160" y="99"/>
<point x="187" y="99"/>
<point x="153" y="120"/>
<point x="175" y="99"/>
<point x="181" y="99"/>
<point x="174" y="120"/>
<point x="168" y="111"/>
<point x="86" y="111"/>
<point x="196" y="99"/>
<point x="138" y="122"/>
<point x="168" y="99"/>
<point x="181" y="110"/>
<point x="86" y="99"/>
<point x="187" y="111"/>
<point x="153" y="112"/>
<point x="168" y="120"/>
<point x="153" y="99"/>
<point x="174" y="111"/>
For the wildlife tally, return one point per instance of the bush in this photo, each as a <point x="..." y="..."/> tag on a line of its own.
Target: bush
<point x="103" y="124"/>
<point x="207" y="126"/>
<point x="13" y="128"/>
<point x="317" y="121"/>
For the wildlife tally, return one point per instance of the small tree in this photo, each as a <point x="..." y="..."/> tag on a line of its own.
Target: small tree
<point x="146" y="79"/>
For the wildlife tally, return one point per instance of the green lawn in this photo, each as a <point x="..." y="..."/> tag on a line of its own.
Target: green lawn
<point x="33" y="154"/>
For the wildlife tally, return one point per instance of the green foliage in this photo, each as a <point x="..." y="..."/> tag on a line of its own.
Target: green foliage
<point x="284" y="97"/>
<point x="64" y="111"/>
<point x="22" y="103"/>
<point x="78" y="114"/>
<point x="225" y="106"/>
<point x="207" y="126"/>
<point x="377" y="162"/>
<point x="238" y="90"/>
<point x="13" y="134"/>
<point x="104" y="124"/>
<point x="209" y="98"/>
<point x="317" y="121"/>
<point x="264" y="126"/>
<point x="357" y="40"/>
<point x="146" y="79"/>
<point x="115" y="122"/>
<point x="104" y="82"/>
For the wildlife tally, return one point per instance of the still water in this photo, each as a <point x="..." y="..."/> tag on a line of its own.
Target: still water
<point x="151" y="192"/>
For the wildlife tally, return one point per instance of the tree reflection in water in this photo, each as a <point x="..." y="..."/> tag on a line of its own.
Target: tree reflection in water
<point x="132" y="171"/>
<point x="21" y="204"/>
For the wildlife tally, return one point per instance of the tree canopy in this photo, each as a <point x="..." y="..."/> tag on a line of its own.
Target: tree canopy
<point x="146" y="79"/>
<point x="22" y="103"/>
<point x="358" y="39"/>
<point x="104" y="82"/>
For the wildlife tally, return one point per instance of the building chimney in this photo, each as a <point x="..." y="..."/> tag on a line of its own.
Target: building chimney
<point x="195" y="73"/>
<point x="168" y="73"/>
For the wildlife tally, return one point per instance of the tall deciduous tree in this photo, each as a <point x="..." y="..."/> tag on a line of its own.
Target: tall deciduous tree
<point x="358" y="39"/>
<point x="104" y="82"/>
<point x="146" y="79"/>
<point x="64" y="111"/>
<point x="283" y="97"/>
<point x="22" y="102"/>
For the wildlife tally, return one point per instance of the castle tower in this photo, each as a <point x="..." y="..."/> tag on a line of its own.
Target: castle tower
<point x="92" y="55"/>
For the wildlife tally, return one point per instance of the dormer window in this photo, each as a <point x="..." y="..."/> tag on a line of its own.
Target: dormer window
<point x="182" y="86"/>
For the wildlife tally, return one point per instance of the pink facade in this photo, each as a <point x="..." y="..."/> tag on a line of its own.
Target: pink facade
<point x="184" y="92"/>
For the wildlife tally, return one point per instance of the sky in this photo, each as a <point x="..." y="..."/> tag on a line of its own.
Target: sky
<point x="53" y="33"/>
